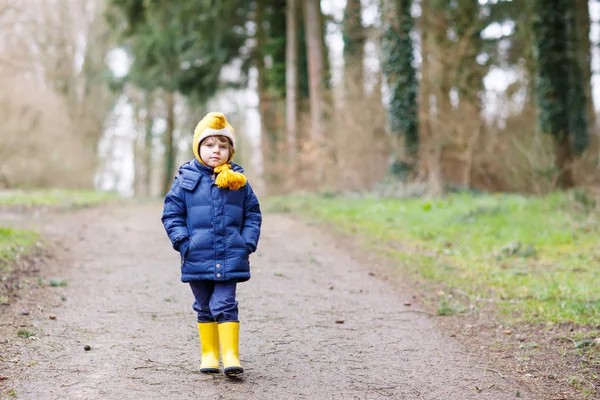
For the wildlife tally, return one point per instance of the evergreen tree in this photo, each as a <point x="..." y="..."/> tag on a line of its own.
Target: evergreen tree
<point x="179" y="47"/>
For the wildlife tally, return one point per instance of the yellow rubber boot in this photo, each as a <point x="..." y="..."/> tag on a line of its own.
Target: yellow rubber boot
<point x="209" y="340"/>
<point x="229" y="334"/>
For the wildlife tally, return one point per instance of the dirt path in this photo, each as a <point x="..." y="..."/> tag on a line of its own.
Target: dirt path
<point x="125" y="300"/>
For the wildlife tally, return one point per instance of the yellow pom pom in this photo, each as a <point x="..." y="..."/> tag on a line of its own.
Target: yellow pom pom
<point x="227" y="178"/>
<point x="218" y="121"/>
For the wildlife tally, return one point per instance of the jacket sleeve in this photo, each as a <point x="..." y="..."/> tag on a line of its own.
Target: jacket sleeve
<point x="252" y="220"/>
<point x="174" y="215"/>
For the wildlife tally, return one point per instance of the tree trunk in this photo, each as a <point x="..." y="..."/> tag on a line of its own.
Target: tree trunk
<point x="354" y="49"/>
<point x="563" y="161"/>
<point x="430" y="160"/>
<point x="526" y="35"/>
<point x="578" y="57"/>
<point x="291" y="78"/>
<point x="259" y="60"/>
<point x="314" y="37"/>
<point x="468" y="30"/>
<point x="398" y="57"/>
<point x="469" y="82"/>
<point x="584" y="56"/>
<point x="560" y="92"/>
<point x="268" y="133"/>
<point x="149" y="122"/>
<point x="169" y="148"/>
<point x="138" y="151"/>
<point x="326" y="71"/>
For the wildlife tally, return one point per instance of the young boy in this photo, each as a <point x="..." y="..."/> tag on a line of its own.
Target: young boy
<point x="213" y="219"/>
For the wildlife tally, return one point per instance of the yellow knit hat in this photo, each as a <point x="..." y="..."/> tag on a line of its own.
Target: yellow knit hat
<point x="215" y="124"/>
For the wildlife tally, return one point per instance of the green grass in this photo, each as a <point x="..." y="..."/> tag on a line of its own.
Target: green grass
<point x="55" y="283"/>
<point x="62" y="198"/>
<point x="24" y="333"/>
<point x="534" y="257"/>
<point x="15" y="243"/>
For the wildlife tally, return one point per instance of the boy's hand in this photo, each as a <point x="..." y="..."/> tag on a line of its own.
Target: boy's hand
<point x="251" y="248"/>
<point x="183" y="247"/>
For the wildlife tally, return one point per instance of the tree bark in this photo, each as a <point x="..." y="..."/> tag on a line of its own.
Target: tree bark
<point x="560" y="91"/>
<point x="583" y="54"/>
<point x="398" y="66"/>
<point x="138" y="151"/>
<point x="563" y="161"/>
<point x="312" y="11"/>
<point x="430" y="165"/>
<point x="267" y="134"/>
<point x="149" y="122"/>
<point x="468" y="30"/>
<point x="354" y="49"/>
<point x="169" y="148"/>
<point x="291" y="78"/>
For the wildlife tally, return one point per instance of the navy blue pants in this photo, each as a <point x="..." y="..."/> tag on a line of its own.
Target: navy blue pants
<point x="215" y="301"/>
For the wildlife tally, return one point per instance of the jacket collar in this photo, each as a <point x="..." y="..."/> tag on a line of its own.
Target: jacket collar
<point x="191" y="173"/>
<point x="206" y="170"/>
<point x="203" y="169"/>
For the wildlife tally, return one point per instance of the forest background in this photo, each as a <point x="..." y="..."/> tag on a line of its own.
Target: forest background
<point x="106" y="94"/>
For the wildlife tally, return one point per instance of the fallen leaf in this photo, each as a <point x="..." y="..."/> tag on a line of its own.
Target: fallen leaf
<point x="407" y="303"/>
<point x="507" y="332"/>
<point x="339" y="321"/>
<point x="52" y="316"/>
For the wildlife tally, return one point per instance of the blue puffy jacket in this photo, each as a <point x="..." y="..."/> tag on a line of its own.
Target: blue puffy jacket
<point x="214" y="229"/>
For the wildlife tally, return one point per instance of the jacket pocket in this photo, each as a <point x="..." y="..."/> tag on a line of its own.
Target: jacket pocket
<point x="238" y="241"/>
<point x="185" y="249"/>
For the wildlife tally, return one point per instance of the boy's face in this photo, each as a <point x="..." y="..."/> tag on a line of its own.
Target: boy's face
<point x="215" y="151"/>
